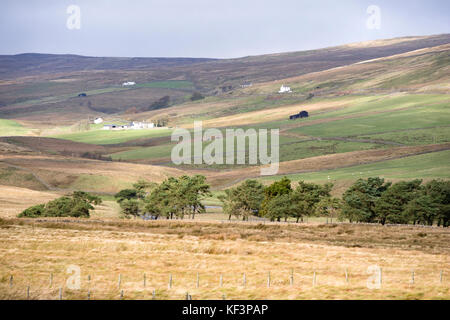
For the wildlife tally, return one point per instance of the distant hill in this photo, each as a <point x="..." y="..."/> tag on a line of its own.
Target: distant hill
<point x="35" y="86"/>
<point x="36" y="63"/>
<point x="208" y="73"/>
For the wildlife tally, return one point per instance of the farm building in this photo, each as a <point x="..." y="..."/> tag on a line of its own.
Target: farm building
<point x="246" y="85"/>
<point x="129" y="83"/>
<point x="284" y="89"/>
<point x="142" y="125"/>
<point x="98" y="120"/>
<point x="301" y="114"/>
<point x="132" y="125"/>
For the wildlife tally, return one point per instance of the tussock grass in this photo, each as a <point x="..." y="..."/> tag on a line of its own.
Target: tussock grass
<point x="32" y="249"/>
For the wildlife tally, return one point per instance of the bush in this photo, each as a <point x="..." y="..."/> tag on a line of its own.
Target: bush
<point x="33" y="212"/>
<point x="197" y="96"/>
<point x="76" y="205"/>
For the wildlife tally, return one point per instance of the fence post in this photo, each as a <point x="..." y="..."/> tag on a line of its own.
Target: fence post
<point x="154" y="294"/>
<point x="412" y="277"/>
<point x="314" y="278"/>
<point x="221" y="280"/>
<point x="28" y="292"/>
<point x="244" y="280"/>
<point x="346" y="275"/>
<point x="291" y="280"/>
<point x="89" y="295"/>
<point x="224" y="297"/>
<point x="11" y="281"/>
<point x="121" y="294"/>
<point x="120" y="280"/>
<point x="145" y="280"/>
<point x="268" y="279"/>
<point x="198" y="280"/>
<point x="60" y="293"/>
<point x="170" y="281"/>
<point x="51" y="280"/>
<point x="440" y="277"/>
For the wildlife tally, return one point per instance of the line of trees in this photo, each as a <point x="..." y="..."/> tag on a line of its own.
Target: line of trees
<point x="173" y="198"/>
<point x="371" y="200"/>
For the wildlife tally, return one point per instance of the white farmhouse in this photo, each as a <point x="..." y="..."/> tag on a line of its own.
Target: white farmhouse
<point x="98" y="120"/>
<point x="284" y="89"/>
<point x="142" y="125"/>
<point x="129" y="83"/>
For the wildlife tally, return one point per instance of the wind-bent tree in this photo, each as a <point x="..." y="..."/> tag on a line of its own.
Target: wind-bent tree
<point x="244" y="200"/>
<point x="77" y="204"/>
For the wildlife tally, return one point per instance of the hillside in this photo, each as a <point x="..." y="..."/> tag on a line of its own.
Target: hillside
<point x="34" y="85"/>
<point x="378" y="104"/>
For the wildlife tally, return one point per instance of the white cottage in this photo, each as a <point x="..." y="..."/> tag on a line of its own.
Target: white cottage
<point x="284" y="89"/>
<point x="98" y="120"/>
<point x="129" y="83"/>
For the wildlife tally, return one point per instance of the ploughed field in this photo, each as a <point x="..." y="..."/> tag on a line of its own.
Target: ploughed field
<point x="33" y="251"/>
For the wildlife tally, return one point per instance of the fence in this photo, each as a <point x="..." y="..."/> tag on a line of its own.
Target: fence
<point x="290" y="280"/>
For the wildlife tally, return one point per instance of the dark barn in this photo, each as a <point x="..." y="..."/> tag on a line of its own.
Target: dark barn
<point x="301" y="114"/>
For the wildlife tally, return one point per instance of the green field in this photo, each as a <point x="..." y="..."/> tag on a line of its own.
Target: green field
<point x="431" y="165"/>
<point x="113" y="136"/>
<point x="425" y="116"/>
<point x="415" y="136"/>
<point x="12" y="128"/>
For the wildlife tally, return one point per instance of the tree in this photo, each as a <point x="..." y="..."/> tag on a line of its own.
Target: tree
<point x="130" y="208"/>
<point x="244" y="200"/>
<point x="277" y="188"/>
<point x="280" y="207"/>
<point x="126" y="194"/>
<point x="439" y="191"/>
<point x="390" y="206"/>
<point x="194" y="190"/>
<point x="230" y="205"/>
<point x="178" y="197"/>
<point x="142" y="187"/>
<point x="422" y="210"/>
<point x="77" y="204"/>
<point x="359" y="200"/>
<point x="307" y="196"/>
<point x="328" y="207"/>
<point x="33" y="212"/>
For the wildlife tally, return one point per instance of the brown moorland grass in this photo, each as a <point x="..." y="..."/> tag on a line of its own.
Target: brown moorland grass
<point x="84" y="174"/>
<point x="33" y="249"/>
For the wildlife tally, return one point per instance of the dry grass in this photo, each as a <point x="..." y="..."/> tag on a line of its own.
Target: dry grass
<point x="89" y="175"/>
<point x="31" y="250"/>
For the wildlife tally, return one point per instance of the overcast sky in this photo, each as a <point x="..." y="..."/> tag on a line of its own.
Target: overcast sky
<point x="208" y="28"/>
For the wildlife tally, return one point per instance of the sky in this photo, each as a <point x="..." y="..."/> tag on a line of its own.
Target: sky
<point x="209" y="28"/>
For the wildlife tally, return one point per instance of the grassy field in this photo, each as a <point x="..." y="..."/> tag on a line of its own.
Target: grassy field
<point x="414" y="136"/>
<point x="12" y="128"/>
<point x="105" y="249"/>
<point x="172" y="84"/>
<point x="426" y="166"/>
<point x="113" y="136"/>
<point x="419" y="117"/>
